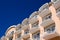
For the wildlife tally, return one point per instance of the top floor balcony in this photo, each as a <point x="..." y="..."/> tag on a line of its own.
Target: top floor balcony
<point x="25" y="22"/>
<point x="46" y="5"/>
<point x="24" y="27"/>
<point x="34" y="19"/>
<point x="10" y="34"/>
<point x="33" y="14"/>
<point x="44" y="12"/>
<point x="18" y="28"/>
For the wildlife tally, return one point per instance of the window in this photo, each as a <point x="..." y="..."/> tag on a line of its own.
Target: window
<point x="36" y="36"/>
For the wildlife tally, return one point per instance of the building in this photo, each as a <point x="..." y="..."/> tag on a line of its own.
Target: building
<point x="41" y="25"/>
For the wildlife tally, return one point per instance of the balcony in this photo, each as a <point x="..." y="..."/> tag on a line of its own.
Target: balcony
<point x="36" y="36"/>
<point x="35" y="24"/>
<point x="33" y="30"/>
<point x="18" y="28"/>
<point x="25" y="26"/>
<point x="46" y="5"/>
<point x="44" y="12"/>
<point x="18" y="37"/>
<point x="26" y="31"/>
<point x="3" y="38"/>
<point x="10" y="38"/>
<point x="18" y="31"/>
<point x="57" y="4"/>
<point x="49" y="35"/>
<point x="10" y="34"/>
<point x="26" y="36"/>
<point x="55" y="38"/>
<point x="50" y="32"/>
<point x="47" y="17"/>
<point x="50" y="28"/>
<point x="25" y="22"/>
<point x="35" y="27"/>
<point x="53" y="0"/>
<point x="47" y="22"/>
<point x="58" y="12"/>
<point x="34" y="19"/>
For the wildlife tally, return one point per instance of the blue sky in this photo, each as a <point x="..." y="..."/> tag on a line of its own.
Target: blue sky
<point x="12" y="12"/>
